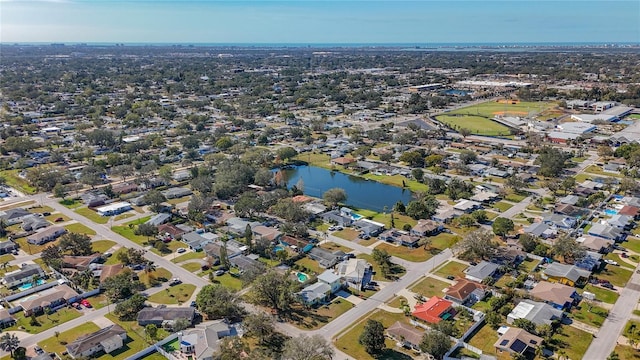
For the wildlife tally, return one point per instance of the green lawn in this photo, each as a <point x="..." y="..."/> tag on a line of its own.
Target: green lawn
<point x="123" y="216"/>
<point x="347" y="234"/>
<point x="55" y="343"/>
<point x="314" y="318"/>
<point x="429" y="287"/>
<point x="622" y="262"/>
<point x="136" y="339"/>
<point x="516" y="198"/>
<point x="397" y="180"/>
<point x="590" y="315"/>
<point x="502" y="206"/>
<point x="492" y="108"/>
<point x="172" y="295"/>
<point x="157" y="274"/>
<point x="54" y="216"/>
<point x="129" y="234"/>
<point x="33" y="249"/>
<point x="80" y="229"/>
<point x="39" y="209"/>
<point x="399" y="220"/>
<point x="348" y="340"/>
<point x="476" y="124"/>
<point x="444" y="240"/>
<point x="632" y="244"/>
<point x="331" y="246"/>
<point x="617" y="275"/>
<point x="190" y="256"/>
<point x="315" y="159"/>
<point x="172" y="246"/>
<point x="484" y="338"/>
<point x="418" y="254"/>
<point x="310" y="264"/>
<point x="528" y="265"/>
<point x="114" y="258"/>
<point x="71" y="203"/>
<point x="12" y="179"/>
<point x="46" y="322"/>
<point x="627" y="352"/>
<point x="595" y="169"/>
<point x="574" y="342"/>
<point x="396" y="271"/>
<point x="6" y="258"/>
<point x="228" y="281"/>
<point x="92" y="215"/>
<point x="451" y="268"/>
<point x="101" y="246"/>
<point x="192" y="267"/>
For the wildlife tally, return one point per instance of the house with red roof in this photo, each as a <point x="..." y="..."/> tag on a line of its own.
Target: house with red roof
<point x="434" y="310"/>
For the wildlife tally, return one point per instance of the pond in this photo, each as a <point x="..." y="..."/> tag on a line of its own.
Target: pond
<point x="361" y="193"/>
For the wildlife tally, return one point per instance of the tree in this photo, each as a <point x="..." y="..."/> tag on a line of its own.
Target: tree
<point x="552" y="161"/>
<point x="480" y="216"/>
<point x="525" y="324"/>
<point x="515" y="183"/>
<point x="217" y="302"/>
<point x="468" y="157"/>
<point x="9" y="343"/>
<point x="605" y="151"/>
<point x="231" y="348"/>
<point x="165" y="173"/>
<point x="274" y="290"/>
<point x="568" y="248"/>
<point x="334" y="196"/>
<point x="180" y="324"/>
<point x="466" y="220"/>
<point x="435" y="343"/>
<point x="286" y="153"/>
<point x="502" y="226"/>
<point x="464" y="132"/>
<point x="146" y="229"/>
<point x="423" y="208"/>
<point x="477" y="244"/>
<point x="568" y="183"/>
<point x="304" y="347"/>
<point x="528" y="242"/>
<point x="91" y="175"/>
<point x="372" y="337"/>
<point x="154" y="198"/>
<point x="613" y="356"/>
<point x="52" y="257"/>
<point x="152" y="331"/>
<point x="289" y="210"/>
<point x="417" y="174"/>
<point x="59" y="191"/>
<point x="628" y="185"/>
<point x="76" y="244"/>
<point x="259" y="325"/>
<point x="121" y="286"/>
<point x="248" y="204"/>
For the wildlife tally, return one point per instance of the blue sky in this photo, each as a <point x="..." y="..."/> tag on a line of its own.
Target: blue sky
<point x="305" y="21"/>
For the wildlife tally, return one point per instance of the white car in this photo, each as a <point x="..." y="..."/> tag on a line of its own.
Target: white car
<point x="611" y="262"/>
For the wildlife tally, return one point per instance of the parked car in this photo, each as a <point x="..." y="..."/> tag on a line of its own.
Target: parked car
<point x="85" y="303"/>
<point x="451" y="277"/>
<point x="219" y="272"/>
<point x="58" y="219"/>
<point x="181" y="250"/>
<point x="193" y="304"/>
<point x="608" y="286"/>
<point x="624" y="255"/>
<point x="38" y="350"/>
<point x="46" y="213"/>
<point x="175" y="281"/>
<point x="610" y="262"/>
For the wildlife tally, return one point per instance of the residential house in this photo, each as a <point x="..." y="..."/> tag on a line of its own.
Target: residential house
<point x="109" y="339"/>
<point x="335" y="217"/>
<point x="465" y="292"/>
<point x="176" y="192"/>
<point x="590" y="261"/>
<point x="607" y="232"/>
<point x="238" y="225"/>
<point x="171" y="231"/>
<point x="481" y="271"/>
<point x="485" y="197"/>
<point x="46" y="235"/>
<point x="332" y="279"/>
<point x="234" y="249"/>
<point x="426" y="227"/>
<point x="325" y="258"/>
<point x="559" y="221"/>
<point x="181" y="175"/>
<point x="125" y="188"/>
<point x="406" y="335"/>
<point x="434" y="310"/>
<point x="629" y="210"/>
<point x="165" y="316"/>
<point x="399" y="237"/>
<point x="596" y="244"/>
<point x="80" y="262"/>
<point x="444" y="215"/>
<point x="566" y="274"/>
<point x="516" y="340"/>
<point x="22" y="276"/>
<point x="537" y="312"/>
<point x="202" y="342"/>
<point x="369" y="227"/>
<point x="198" y="240"/>
<point x="569" y="200"/>
<point x="266" y="233"/>
<point x="247" y="264"/>
<point x="555" y="294"/>
<point x="113" y="208"/>
<point x="7" y="247"/>
<point x="354" y="273"/>
<point x="467" y="206"/>
<point x="106" y="271"/>
<point x="50" y="298"/>
<point x="33" y="223"/>
<point x="6" y="320"/>
<point x="620" y="221"/>
<point x="343" y="161"/>
<point x="315" y="294"/>
<point x="159" y="219"/>
<point x="92" y="200"/>
<point x="540" y="230"/>
<point x="14" y="216"/>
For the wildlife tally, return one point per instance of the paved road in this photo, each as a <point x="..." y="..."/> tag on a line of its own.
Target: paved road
<point x="606" y="339"/>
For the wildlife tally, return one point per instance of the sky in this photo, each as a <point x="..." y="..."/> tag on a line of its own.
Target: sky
<point x="320" y="22"/>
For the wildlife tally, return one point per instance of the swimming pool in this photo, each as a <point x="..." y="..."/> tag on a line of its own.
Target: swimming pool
<point x="278" y="248"/>
<point x="355" y="216"/>
<point x="28" y="286"/>
<point x="302" y="277"/>
<point x="611" y="212"/>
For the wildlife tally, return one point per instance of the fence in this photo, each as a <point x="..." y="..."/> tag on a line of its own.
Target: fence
<point x="156" y="347"/>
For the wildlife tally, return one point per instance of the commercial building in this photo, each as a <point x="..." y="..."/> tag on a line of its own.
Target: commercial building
<point x="113" y="208"/>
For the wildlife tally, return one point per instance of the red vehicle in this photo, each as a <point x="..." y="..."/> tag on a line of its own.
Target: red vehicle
<point x="85" y="303"/>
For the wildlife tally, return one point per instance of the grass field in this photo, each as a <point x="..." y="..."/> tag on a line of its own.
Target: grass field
<point x="633" y="116"/>
<point x="54" y="344"/>
<point x="617" y="275"/>
<point x="45" y="322"/>
<point x="157" y="274"/>
<point x="135" y="342"/>
<point x="172" y="295"/>
<point x="71" y="203"/>
<point x="101" y="246"/>
<point x="429" y="287"/>
<point x="15" y="181"/>
<point x="451" y="268"/>
<point x="492" y="108"/>
<point x="79" y="229"/>
<point x="502" y="206"/>
<point x="192" y="267"/>
<point x="228" y="281"/>
<point x="627" y="352"/>
<point x="573" y="342"/>
<point x="484" y="338"/>
<point x="348" y="341"/>
<point x="476" y="124"/>
<point x="92" y="215"/>
<point x="190" y="256"/>
<point x="410" y="254"/>
<point x="396" y="270"/>
<point x="310" y="319"/>
<point x="590" y="315"/>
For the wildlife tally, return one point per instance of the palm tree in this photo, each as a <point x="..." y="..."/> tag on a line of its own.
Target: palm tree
<point x="9" y="342"/>
<point x="3" y="228"/>
<point x="150" y="267"/>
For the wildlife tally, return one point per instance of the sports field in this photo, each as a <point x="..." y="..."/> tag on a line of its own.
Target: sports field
<point x="477" y="118"/>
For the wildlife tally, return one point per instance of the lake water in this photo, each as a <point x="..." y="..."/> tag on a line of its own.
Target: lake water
<point x="361" y="193"/>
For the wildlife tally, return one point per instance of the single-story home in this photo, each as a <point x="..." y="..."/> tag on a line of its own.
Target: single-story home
<point x="34" y="222"/>
<point x="171" y="231"/>
<point x="198" y="240"/>
<point x="537" y="312"/>
<point x="406" y="335"/>
<point x="369" y="227"/>
<point x="540" y="230"/>
<point x="23" y="276"/>
<point x="606" y="232"/>
<point x="7" y="247"/>
<point x="434" y="310"/>
<point x="314" y="294"/>
<point x="399" y="237"/>
<point x="467" y="206"/>
<point x="516" y="340"/>
<point x="555" y="294"/>
<point x="14" y="216"/>
<point x="332" y="279"/>
<point x="204" y="341"/>
<point x="354" y="272"/>
<point x="109" y="339"/>
<point x="481" y="271"/>
<point x="164" y="316"/>
<point x="113" y="208"/>
<point x="325" y="258"/>
<point x="566" y="274"/>
<point x="464" y="291"/>
<point x="50" y="298"/>
<point x="159" y="219"/>
<point x="176" y="192"/>
<point x="46" y="235"/>
<point x="426" y="227"/>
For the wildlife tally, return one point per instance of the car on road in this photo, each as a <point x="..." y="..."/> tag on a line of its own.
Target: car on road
<point x="175" y="281"/>
<point x="58" y="220"/>
<point x="181" y="250"/>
